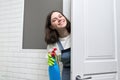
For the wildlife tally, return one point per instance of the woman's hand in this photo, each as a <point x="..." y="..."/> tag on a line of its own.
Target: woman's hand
<point x="51" y="60"/>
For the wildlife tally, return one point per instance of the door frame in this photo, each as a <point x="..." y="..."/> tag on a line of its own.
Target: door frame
<point x="118" y="37"/>
<point x="75" y="14"/>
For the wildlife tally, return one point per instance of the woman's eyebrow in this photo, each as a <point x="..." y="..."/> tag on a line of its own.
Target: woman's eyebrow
<point x="54" y="18"/>
<point x="59" y="14"/>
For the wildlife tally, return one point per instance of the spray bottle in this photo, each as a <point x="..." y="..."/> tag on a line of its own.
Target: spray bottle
<point x="54" y="71"/>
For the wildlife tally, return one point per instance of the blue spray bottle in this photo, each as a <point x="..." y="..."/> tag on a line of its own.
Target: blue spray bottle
<point x="54" y="70"/>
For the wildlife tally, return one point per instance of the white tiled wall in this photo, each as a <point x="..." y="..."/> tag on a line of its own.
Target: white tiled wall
<point x="16" y="63"/>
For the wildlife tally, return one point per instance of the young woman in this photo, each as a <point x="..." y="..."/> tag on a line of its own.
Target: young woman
<point x="57" y="35"/>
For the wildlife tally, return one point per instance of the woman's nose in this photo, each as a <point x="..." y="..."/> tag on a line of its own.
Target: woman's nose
<point x="59" y="20"/>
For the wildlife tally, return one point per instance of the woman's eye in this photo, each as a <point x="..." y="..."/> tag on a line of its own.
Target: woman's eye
<point x="53" y="20"/>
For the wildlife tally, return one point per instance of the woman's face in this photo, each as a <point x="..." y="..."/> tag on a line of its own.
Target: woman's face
<point x="58" y="21"/>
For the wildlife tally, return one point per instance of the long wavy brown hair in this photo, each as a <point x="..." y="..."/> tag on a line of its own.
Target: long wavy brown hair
<point x="51" y="35"/>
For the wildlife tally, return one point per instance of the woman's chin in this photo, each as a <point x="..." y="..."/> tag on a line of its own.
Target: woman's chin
<point x="63" y="26"/>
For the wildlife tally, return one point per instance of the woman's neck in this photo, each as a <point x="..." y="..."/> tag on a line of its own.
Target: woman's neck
<point x="63" y="33"/>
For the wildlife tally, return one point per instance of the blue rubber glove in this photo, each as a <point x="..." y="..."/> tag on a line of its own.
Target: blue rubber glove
<point x="51" y="60"/>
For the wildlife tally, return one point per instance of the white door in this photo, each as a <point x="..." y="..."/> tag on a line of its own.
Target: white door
<point x="94" y="40"/>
